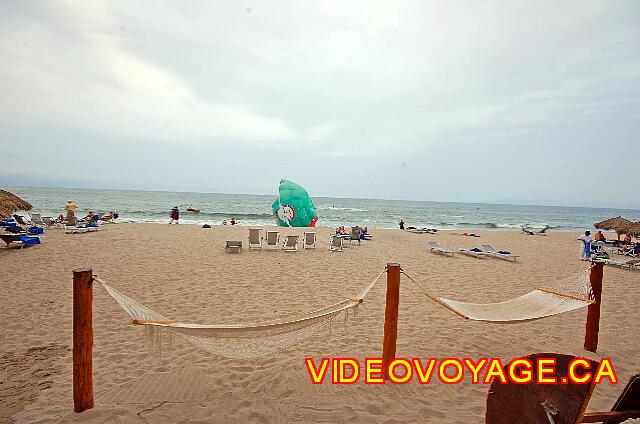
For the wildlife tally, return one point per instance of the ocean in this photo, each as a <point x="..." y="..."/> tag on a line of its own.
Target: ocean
<point x="248" y="209"/>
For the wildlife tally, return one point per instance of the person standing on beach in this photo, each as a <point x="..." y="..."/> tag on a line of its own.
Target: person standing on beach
<point x="401" y="224"/>
<point x="175" y="215"/>
<point x="585" y="247"/>
<point x="71" y="207"/>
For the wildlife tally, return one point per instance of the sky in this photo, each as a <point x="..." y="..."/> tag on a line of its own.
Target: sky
<point x="527" y="102"/>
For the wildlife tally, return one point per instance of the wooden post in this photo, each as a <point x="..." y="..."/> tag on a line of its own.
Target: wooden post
<point x="82" y="339"/>
<point x="391" y="316"/>
<point x="593" y="312"/>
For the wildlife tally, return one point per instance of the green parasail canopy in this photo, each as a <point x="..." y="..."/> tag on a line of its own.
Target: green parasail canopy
<point x="293" y="207"/>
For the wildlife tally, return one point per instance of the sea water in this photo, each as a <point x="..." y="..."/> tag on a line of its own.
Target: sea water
<point x="248" y="209"/>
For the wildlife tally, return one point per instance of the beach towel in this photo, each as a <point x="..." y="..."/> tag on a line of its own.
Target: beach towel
<point x="14" y="229"/>
<point x="28" y="240"/>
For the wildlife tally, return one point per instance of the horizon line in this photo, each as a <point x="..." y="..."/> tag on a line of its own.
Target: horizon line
<point x="331" y="197"/>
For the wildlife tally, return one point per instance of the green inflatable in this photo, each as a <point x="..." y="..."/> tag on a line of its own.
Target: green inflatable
<point x="294" y="208"/>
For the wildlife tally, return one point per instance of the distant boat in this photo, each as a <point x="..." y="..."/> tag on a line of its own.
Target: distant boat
<point x="190" y="209"/>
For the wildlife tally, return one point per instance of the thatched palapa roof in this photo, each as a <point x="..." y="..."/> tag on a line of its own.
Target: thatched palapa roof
<point x="633" y="229"/>
<point x="618" y="224"/>
<point x="9" y="203"/>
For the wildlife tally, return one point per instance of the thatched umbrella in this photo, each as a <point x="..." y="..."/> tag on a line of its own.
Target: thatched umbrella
<point x="633" y="229"/>
<point x="618" y="224"/>
<point x="9" y="203"/>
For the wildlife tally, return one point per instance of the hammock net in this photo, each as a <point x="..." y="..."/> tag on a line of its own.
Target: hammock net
<point x="240" y="341"/>
<point x="563" y="296"/>
<point x="246" y="341"/>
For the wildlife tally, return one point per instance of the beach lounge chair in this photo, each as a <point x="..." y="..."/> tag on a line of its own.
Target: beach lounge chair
<point x="309" y="240"/>
<point x="500" y="254"/>
<point x="272" y="239"/>
<point x="421" y="230"/>
<point x="48" y="221"/>
<point x="290" y="244"/>
<point x="21" y="239"/>
<point x="335" y="243"/>
<point x="557" y="403"/>
<point x="34" y="231"/>
<point x="475" y="252"/>
<point x="529" y="231"/>
<point x="36" y="219"/>
<point x="633" y="263"/>
<point x="435" y="247"/>
<point x="22" y="220"/>
<point x="15" y="229"/>
<point x="255" y="239"/>
<point x="626" y="406"/>
<point x="632" y="250"/>
<point x="355" y="234"/>
<point x="81" y="229"/>
<point x="233" y="246"/>
<point x="542" y="232"/>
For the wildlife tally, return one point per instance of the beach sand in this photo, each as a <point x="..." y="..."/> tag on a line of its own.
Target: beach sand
<point x="183" y="272"/>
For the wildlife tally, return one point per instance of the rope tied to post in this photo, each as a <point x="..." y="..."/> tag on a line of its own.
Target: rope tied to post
<point x="240" y="340"/>
<point x="566" y="295"/>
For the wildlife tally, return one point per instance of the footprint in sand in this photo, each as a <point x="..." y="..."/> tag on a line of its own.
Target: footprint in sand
<point x="373" y="409"/>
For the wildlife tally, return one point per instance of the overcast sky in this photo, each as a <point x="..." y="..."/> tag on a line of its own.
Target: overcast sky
<point x="494" y="101"/>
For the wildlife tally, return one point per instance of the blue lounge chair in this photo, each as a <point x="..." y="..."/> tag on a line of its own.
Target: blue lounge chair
<point x="20" y="239"/>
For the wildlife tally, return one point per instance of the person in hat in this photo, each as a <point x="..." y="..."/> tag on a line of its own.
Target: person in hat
<point x="71" y="207"/>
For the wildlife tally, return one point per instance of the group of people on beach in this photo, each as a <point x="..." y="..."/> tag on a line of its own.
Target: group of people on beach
<point x="342" y="231"/>
<point x="92" y="217"/>
<point x="586" y="240"/>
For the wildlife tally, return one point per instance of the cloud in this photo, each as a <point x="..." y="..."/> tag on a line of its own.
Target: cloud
<point x="321" y="81"/>
<point x="91" y="82"/>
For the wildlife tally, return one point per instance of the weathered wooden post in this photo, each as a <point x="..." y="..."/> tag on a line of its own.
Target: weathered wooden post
<point x="82" y="339"/>
<point x="593" y="312"/>
<point x="391" y="316"/>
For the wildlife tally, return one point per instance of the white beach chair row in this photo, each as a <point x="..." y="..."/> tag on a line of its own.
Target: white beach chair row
<point x="38" y="220"/>
<point x="289" y="243"/>
<point x="631" y="263"/>
<point x="484" y="251"/>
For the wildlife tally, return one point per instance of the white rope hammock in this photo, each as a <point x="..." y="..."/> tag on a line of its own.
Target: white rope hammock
<point x="566" y="295"/>
<point x="245" y="341"/>
<point x="240" y="341"/>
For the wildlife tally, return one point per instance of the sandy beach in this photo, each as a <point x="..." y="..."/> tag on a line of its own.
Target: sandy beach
<point x="183" y="272"/>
